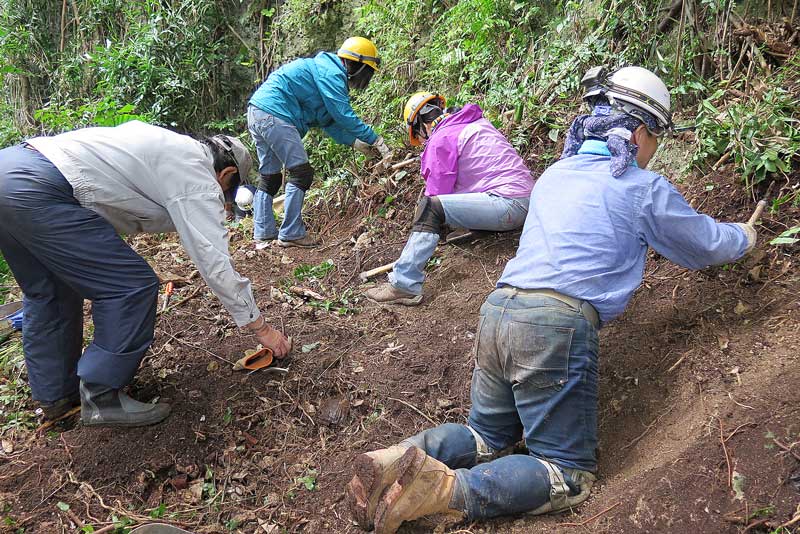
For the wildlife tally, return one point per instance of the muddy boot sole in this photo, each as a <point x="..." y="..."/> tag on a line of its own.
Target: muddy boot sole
<point x="364" y="491"/>
<point x="408" y="467"/>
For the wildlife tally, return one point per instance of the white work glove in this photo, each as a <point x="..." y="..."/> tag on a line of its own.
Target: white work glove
<point x="363" y="147"/>
<point x="752" y="235"/>
<point x="244" y="198"/>
<point x="382" y="148"/>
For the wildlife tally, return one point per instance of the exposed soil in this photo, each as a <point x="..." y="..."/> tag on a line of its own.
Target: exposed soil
<point x="699" y="392"/>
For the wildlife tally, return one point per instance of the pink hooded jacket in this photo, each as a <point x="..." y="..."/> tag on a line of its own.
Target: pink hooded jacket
<point x="466" y="154"/>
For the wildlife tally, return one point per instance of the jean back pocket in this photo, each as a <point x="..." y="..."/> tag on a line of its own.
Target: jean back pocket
<point x="540" y="354"/>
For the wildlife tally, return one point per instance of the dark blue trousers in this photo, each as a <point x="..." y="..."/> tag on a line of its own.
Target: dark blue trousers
<point x="62" y="253"/>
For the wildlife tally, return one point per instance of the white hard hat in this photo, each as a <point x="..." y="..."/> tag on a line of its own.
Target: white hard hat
<point x="244" y="198"/>
<point x="636" y="87"/>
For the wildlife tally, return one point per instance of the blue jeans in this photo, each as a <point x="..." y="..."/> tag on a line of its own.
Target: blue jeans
<point x="474" y="211"/>
<point x="535" y="378"/>
<point x="278" y="145"/>
<point x="62" y="253"/>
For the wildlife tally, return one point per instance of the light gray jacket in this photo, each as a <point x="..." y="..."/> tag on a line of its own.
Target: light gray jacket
<point x="143" y="178"/>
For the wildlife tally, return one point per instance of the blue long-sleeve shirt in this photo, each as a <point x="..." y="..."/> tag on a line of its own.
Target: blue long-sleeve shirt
<point x="587" y="233"/>
<point x="313" y="92"/>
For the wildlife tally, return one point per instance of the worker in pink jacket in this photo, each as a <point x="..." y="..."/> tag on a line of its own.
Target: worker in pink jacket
<point x="474" y="179"/>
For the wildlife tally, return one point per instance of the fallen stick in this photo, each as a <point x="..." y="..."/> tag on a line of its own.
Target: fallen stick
<point x="586" y="521"/>
<point x="676" y="364"/>
<point x="304" y="292"/>
<point x="366" y="275"/>
<point x="792" y="521"/>
<point x="725" y="450"/>
<point x="787" y="449"/>
<point x="404" y="163"/>
<point x="431" y="421"/>
<point x="75" y="519"/>
<point x="50" y="423"/>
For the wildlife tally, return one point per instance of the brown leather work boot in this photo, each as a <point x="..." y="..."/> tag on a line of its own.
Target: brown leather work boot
<point x="374" y="472"/>
<point x="424" y="486"/>
<point x="388" y="294"/>
<point x="56" y="410"/>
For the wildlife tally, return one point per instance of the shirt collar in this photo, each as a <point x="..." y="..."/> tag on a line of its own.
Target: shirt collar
<point x="599" y="148"/>
<point x="593" y="146"/>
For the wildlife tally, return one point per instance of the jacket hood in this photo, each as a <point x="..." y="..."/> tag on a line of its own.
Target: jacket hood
<point x="328" y="60"/>
<point x="469" y="113"/>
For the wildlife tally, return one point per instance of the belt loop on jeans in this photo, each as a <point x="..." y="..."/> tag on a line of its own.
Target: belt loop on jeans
<point x="586" y="309"/>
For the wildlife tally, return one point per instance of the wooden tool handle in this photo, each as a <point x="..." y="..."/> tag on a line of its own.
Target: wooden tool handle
<point x="366" y="275"/>
<point x="757" y="213"/>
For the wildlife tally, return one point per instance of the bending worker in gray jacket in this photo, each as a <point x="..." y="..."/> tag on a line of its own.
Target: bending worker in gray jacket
<point x="63" y="202"/>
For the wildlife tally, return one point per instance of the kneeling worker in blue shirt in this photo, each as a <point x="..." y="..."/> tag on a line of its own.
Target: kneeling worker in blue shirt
<point x="592" y="217"/>
<point x="306" y="93"/>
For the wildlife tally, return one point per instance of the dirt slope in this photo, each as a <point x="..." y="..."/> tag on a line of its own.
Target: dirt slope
<point x="698" y="360"/>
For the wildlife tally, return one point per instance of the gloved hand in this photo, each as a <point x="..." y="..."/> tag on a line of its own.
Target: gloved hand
<point x="271" y="338"/>
<point x="752" y="235"/>
<point x="380" y="146"/>
<point x="363" y="147"/>
<point x="244" y="198"/>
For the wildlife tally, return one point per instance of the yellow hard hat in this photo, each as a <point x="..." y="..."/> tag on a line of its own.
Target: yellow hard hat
<point x="413" y="107"/>
<point x="360" y="49"/>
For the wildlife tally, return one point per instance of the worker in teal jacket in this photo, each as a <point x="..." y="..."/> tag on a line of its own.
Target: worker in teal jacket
<point x="306" y="93"/>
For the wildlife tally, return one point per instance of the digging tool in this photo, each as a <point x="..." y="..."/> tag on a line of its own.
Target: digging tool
<point x="7" y="310"/>
<point x="277" y="203"/>
<point x="169" y="289"/>
<point x="757" y="213"/>
<point x="254" y="360"/>
<point x="366" y="275"/>
<point x="6" y="313"/>
<point x="762" y="204"/>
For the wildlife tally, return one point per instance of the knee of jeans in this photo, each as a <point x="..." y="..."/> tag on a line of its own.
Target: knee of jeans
<point x="435" y="441"/>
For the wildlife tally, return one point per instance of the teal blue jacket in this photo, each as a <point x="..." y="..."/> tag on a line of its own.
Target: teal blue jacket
<point x="313" y="92"/>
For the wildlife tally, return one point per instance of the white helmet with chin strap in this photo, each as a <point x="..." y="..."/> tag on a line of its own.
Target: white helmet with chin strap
<point x="632" y="90"/>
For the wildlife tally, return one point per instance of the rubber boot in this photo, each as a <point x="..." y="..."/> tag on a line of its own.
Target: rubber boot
<point x="424" y="486"/>
<point x="374" y="472"/>
<point x="104" y="406"/>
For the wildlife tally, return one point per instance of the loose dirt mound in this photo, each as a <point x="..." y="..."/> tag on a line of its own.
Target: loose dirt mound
<point x="698" y="411"/>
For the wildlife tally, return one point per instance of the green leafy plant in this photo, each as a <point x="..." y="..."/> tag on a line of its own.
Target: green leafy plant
<point x="159" y="511"/>
<point x="14" y="389"/>
<point x="316" y="272"/>
<point x="786" y="238"/>
<point x="309" y="480"/>
<point x="342" y="304"/>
